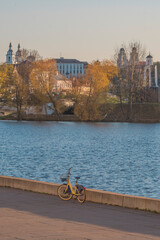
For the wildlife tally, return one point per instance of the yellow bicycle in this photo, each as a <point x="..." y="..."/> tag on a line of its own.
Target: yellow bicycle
<point x="66" y="191"/>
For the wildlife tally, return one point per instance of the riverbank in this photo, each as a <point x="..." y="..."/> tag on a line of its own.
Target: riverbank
<point x="142" y="113"/>
<point x="73" y="118"/>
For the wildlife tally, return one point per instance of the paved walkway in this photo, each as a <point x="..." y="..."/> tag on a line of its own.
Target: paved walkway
<point x="32" y="216"/>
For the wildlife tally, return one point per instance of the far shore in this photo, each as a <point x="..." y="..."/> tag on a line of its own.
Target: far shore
<point x="73" y="118"/>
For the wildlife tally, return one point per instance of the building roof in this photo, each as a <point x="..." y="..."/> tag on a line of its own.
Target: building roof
<point x="64" y="60"/>
<point x="142" y="63"/>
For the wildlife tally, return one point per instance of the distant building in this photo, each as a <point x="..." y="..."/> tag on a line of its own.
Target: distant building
<point x="71" y="67"/>
<point x="14" y="59"/>
<point x="10" y="58"/>
<point x="122" y="59"/>
<point x="149" y="69"/>
<point x="62" y="84"/>
<point x="150" y="72"/>
<point x="19" y="56"/>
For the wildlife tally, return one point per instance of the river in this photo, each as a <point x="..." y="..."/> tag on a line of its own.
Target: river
<point x="116" y="157"/>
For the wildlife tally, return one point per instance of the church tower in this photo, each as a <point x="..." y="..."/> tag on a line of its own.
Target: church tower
<point x="134" y="57"/>
<point x="149" y="60"/>
<point x="19" y="56"/>
<point x="122" y="59"/>
<point x="10" y="59"/>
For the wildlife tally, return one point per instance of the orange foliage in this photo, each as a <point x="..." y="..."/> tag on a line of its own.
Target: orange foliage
<point x="99" y="74"/>
<point x="42" y="76"/>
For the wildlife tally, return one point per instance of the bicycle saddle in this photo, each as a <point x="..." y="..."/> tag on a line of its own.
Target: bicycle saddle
<point x="77" y="178"/>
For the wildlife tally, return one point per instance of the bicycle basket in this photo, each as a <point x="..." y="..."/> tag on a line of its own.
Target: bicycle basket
<point x="63" y="179"/>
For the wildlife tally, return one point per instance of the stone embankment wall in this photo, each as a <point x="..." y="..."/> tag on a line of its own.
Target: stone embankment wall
<point x="95" y="196"/>
<point x="143" y="113"/>
<point x="65" y="118"/>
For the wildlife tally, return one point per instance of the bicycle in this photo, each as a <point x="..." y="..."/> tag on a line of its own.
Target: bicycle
<point x="66" y="191"/>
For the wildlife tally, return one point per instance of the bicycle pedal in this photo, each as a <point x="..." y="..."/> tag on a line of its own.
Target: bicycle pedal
<point x="74" y="197"/>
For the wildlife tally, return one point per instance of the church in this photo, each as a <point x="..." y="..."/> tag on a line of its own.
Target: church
<point x="14" y="59"/>
<point x="148" y="68"/>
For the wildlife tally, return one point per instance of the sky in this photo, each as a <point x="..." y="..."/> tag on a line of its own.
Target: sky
<point x="83" y="29"/>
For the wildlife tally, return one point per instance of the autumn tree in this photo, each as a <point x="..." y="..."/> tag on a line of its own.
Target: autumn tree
<point x="97" y="78"/>
<point x="13" y="88"/>
<point x="6" y="76"/>
<point x="42" y="81"/>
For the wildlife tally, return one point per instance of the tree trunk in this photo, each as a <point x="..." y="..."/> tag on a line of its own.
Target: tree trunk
<point x="54" y="105"/>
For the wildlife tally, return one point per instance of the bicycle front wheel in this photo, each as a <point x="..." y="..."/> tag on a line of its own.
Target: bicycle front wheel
<point x="62" y="192"/>
<point x="82" y="197"/>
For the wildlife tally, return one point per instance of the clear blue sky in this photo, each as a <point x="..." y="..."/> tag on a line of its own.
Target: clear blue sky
<point x="82" y="29"/>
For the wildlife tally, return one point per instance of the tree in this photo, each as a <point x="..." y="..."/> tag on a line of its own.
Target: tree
<point x="33" y="55"/>
<point x="13" y="88"/>
<point x="42" y="81"/>
<point x="97" y="78"/>
<point x="129" y="84"/>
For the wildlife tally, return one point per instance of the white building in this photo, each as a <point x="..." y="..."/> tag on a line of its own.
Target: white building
<point x="62" y="84"/>
<point x="71" y="67"/>
<point x="150" y="72"/>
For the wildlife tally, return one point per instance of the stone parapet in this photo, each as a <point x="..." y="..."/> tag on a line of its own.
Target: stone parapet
<point x="96" y="196"/>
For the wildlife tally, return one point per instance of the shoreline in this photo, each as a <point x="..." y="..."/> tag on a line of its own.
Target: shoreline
<point x="73" y="118"/>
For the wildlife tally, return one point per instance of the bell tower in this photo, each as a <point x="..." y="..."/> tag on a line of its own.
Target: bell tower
<point x="10" y="59"/>
<point x="19" y="56"/>
<point x="122" y="59"/>
<point x="149" y="60"/>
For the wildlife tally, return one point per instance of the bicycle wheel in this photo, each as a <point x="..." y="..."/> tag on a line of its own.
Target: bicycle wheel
<point x="62" y="192"/>
<point x="82" y="197"/>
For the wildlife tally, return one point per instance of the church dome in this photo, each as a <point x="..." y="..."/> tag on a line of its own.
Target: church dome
<point x="149" y="56"/>
<point x="10" y="51"/>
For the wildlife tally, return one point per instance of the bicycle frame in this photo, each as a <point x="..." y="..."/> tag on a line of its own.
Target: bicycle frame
<point x="69" y="188"/>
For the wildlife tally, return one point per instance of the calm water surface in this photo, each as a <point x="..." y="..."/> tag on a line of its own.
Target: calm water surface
<point x="117" y="157"/>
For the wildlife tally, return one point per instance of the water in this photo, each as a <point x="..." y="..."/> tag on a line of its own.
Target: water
<point x="117" y="157"/>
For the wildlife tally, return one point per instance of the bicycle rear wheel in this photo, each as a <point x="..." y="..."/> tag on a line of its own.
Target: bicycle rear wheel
<point x="62" y="192"/>
<point x="82" y="197"/>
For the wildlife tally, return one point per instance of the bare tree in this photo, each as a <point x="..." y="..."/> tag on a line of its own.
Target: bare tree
<point x="32" y="55"/>
<point x="129" y="85"/>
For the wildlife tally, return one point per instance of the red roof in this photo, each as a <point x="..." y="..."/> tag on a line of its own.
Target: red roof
<point x="142" y="63"/>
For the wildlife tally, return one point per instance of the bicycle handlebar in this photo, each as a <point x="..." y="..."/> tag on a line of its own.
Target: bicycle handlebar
<point x="69" y="171"/>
